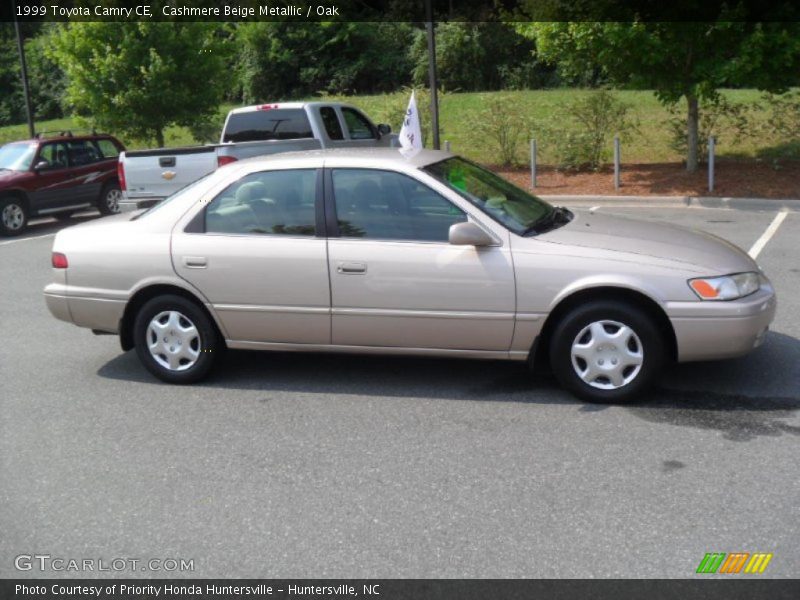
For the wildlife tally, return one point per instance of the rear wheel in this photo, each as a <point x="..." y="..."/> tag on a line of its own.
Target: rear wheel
<point x="607" y="351"/>
<point x="13" y="216"/>
<point x="175" y="339"/>
<point x="109" y="199"/>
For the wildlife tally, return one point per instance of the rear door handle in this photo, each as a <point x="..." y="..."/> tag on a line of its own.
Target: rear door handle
<point x="195" y="262"/>
<point x="351" y="268"/>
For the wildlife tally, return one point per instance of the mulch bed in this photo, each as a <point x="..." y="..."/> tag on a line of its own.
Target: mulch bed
<point x="732" y="179"/>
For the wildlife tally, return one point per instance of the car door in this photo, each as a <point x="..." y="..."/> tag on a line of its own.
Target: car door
<point x="51" y="187"/>
<point x="254" y="253"/>
<point x="395" y="279"/>
<point x="360" y="131"/>
<point x="86" y="170"/>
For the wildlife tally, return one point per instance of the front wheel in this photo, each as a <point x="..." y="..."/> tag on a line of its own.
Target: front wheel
<point x="13" y="216"/>
<point x="175" y="339"/>
<point x="607" y="351"/>
<point x="109" y="199"/>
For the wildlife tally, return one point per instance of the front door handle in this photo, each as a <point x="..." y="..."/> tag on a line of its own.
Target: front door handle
<point x="351" y="268"/>
<point x="195" y="262"/>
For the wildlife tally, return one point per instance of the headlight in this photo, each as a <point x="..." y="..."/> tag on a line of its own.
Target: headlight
<point x="728" y="287"/>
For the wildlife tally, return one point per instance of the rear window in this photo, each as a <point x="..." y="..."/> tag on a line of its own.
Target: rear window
<point x="272" y="124"/>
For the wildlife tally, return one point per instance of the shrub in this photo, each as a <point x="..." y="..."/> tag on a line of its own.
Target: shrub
<point x="506" y="127"/>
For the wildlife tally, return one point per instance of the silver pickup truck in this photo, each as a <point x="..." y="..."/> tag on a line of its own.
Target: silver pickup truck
<point x="147" y="176"/>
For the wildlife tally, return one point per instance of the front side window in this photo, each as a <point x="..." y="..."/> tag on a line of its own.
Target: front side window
<point x="331" y="122"/>
<point x="358" y="125"/>
<point x="384" y="205"/>
<point x="268" y="124"/>
<point x="17" y="157"/>
<point x="55" y="154"/>
<point x="518" y="210"/>
<point x="268" y="202"/>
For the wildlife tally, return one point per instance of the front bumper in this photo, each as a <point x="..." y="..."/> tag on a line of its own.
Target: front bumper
<point x="715" y="330"/>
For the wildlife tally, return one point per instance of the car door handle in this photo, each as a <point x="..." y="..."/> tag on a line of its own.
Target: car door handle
<point x="195" y="262"/>
<point x="351" y="268"/>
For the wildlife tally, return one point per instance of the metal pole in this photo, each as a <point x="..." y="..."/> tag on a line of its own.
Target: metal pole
<point x="434" y="84"/>
<point x="616" y="162"/>
<point x="533" y="163"/>
<point x="711" y="144"/>
<point x="24" y="67"/>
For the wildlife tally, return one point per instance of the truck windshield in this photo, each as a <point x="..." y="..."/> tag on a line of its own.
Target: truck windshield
<point x="17" y="157"/>
<point x="518" y="210"/>
<point x="268" y="124"/>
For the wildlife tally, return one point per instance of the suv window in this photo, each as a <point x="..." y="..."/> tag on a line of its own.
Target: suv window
<point x="82" y="152"/>
<point x="107" y="148"/>
<point x="358" y="125"/>
<point x="270" y="202"/>
<point x="331" y="122"/>
<point x="55" y="153"/>
<point x="268" y="124"/>
<point x="385" y="205"/>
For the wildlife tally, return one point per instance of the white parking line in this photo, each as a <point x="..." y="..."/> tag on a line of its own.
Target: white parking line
<point x="767" y="235"/>
<point x="35" y="237"/>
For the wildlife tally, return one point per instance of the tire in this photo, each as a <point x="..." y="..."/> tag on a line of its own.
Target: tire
<point x="623" y="343"/>
<point x="63" y="216"/>
<point x="13" y="216"/>
<point x="108" y="204"/>
<point x="175" y="339"/>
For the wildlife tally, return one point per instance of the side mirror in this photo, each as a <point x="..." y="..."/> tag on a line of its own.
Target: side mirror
<point x="384" y="129"/>
<point x="42" y="164"/>
<point x="469" y="234"/>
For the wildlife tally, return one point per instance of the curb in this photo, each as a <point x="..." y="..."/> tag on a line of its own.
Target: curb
<point x="789" y="204"/>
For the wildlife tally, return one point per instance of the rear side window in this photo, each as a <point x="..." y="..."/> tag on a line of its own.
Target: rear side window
<point x="269" y="202"/>
<point x="107" y="148"/>
<point x="331" y="122"/>
<point x="271" y="124"/>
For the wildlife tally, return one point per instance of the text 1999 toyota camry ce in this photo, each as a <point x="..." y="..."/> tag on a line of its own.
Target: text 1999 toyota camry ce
<point x="366" y="251"/>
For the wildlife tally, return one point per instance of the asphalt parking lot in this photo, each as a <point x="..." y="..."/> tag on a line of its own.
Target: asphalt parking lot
<point x="287" y="465"/>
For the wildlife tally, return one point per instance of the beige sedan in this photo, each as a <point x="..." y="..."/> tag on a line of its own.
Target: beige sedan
<point x="366" y="251"/>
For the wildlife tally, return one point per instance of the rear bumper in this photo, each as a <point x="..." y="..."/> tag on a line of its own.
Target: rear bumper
<point x="715" y="330"/>
<point x="102" y="314"/>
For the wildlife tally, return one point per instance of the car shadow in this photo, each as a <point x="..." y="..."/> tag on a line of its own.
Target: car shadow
<point x="742" y="398"/>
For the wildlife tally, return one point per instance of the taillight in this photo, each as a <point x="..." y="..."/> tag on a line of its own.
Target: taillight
<point x="224" y="160"/>
<point x="59" y="260"/>
<point x="121" y="175"/>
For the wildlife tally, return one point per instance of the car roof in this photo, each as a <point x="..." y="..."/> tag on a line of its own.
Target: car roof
<point x="63" y="138"/>
<point x="353" y="157"/>
<point x="284" y="105"/>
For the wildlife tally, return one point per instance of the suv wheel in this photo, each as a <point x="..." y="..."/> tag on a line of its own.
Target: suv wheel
<point x="109" y="199"/>
<point x="607" y="351"/>
<point x="13" y="216"/>
<point x="175" y="340"/>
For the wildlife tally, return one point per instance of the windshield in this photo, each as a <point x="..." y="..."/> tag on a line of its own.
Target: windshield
<point x="518" y="210"/>
<point x="17" y="157"/>
<point x="174" y="196"/>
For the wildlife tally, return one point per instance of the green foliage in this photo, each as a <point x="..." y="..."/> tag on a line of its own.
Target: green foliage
<point x="139" y="78"/>
<point x="677" y="60"/>
<point x="479" y="57"/>
<point x="46" y="77"/>
<point x="727" y="121"/>
<point x="583" y="139"/>
<point x="506" y="127"/>
<point x="284" y="60"/>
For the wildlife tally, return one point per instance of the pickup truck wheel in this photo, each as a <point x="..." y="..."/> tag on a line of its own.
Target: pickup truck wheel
<point x="175" y="340"/>
<point x="607" y="351"/>
<point x="109" y="199"/>
<point x="13" y="216"/>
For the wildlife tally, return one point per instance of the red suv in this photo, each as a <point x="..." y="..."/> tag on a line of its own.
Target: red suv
<point x="57" y="176"/>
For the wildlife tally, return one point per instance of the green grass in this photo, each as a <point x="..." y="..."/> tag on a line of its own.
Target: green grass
<point x="460" y="123"/>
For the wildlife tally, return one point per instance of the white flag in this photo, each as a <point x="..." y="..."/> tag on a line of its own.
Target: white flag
<point x="410" y="132"/>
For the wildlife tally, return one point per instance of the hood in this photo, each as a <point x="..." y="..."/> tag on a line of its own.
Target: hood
<point x="9" y="176"/>
<point x="645" y="238"/>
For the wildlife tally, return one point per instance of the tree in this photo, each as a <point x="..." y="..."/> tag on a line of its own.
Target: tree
<point x="689" y="61"/>
<point x="139" y="78"/>
<point x="285" y="60"/>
